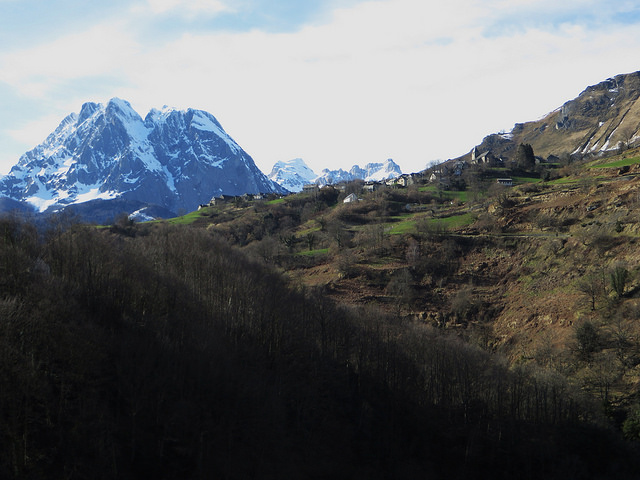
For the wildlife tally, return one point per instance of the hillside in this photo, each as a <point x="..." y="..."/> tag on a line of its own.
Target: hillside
<point x="603" y="118"/>
<point x="520" y="271"/>
<point x="302" y="337"/>
<point x="478" y="320"/>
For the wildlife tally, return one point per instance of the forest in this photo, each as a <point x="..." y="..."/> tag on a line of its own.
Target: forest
<point x="165" y="351"/>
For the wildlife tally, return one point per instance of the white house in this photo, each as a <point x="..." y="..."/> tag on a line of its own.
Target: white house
<point x="507" y="182"/>
<point x="351" y="198"/>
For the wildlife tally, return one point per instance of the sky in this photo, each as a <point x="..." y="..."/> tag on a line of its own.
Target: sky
<point x="334" y="82"/>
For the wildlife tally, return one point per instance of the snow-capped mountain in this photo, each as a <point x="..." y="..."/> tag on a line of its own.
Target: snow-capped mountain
<point x="173" y="159"/>
<point x="376" y="172"/>
<point x="372" y="172"/>
<point x="331" y="177"/>
<point x="292" y="174"/>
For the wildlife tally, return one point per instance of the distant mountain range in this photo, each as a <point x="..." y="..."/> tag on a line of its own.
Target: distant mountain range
<point x="604" y="117"/>
<point x="107" y="159"/>
<point x="293" y="174"/>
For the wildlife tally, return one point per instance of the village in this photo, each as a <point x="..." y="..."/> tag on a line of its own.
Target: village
<point x="443" y="176"/>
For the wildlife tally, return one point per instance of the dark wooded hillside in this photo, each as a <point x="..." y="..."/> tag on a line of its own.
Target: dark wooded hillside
<point x="161" y="352"/>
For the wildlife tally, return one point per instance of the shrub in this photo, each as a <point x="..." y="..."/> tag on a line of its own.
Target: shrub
<point x="631" y="425"/>
<point x="588" y="340"/>
<point x="619" y="279"/>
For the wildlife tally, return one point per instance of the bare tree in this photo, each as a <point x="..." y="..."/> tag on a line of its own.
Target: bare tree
<point x="627" y="134"/>
<point x="592" y="285"/>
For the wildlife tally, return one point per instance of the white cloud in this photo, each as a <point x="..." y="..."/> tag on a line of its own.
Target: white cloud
<point x="395" y="78"/>
<point x="106" y="49"/>
<point x="188" y="8"/>
<point x="36" y="131"/>
<point x="339" y="93"/>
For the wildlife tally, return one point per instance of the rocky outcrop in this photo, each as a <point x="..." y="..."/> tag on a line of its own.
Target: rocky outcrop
<point x="604" y="117"/>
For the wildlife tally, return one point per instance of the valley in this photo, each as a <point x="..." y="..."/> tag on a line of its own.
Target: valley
<point x="478" y="319"/>
<point x="517" y="270"/>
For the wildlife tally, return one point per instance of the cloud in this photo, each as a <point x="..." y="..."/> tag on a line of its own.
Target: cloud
<point x="106" y="49"/>
<point x="401" y="78"/>
<point x="36" y="131"/>
<point x="189" y="8"/>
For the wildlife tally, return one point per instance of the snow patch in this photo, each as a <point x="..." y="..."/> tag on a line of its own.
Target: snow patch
<point x="140" y="216"/>
<point x="78" y="193"/>
<point x="150" y="161"/>
<point x="93" y="193"/>
<point x="170" y="180"/>
<point x="202" y="121"/>
<point x="64" y="167"/>
<point x="43" y="198"/>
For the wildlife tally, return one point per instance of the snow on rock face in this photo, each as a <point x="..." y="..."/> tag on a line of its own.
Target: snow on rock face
<point x="292" y="174"/>
<point x="174" y="159"/>
<point x="376" y="172"/>
<point x="331" y="177"/>
<point x="372" y="172"/>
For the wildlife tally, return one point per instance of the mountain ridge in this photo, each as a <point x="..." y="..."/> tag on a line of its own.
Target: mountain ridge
<point x="294" y="174"/>
<point x="602" y="118"/>
<point x="174" y="159"/>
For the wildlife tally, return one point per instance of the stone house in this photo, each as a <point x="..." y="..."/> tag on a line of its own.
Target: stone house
<point x="310" y="188"/>
<point x="221" y="200"/>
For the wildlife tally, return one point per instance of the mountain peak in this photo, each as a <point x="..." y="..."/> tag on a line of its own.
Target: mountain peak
<point x="173" y="159"/>
<point x="122" y="105"/>
<point x="123" y="110"/>
<point x="292" y="174"/>
<point x="376" y="171"/>
<point x="156" y="115"/>
<point x="87" y="110"/>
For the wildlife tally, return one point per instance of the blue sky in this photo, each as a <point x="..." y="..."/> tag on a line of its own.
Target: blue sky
<point x="335" y="82"/>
